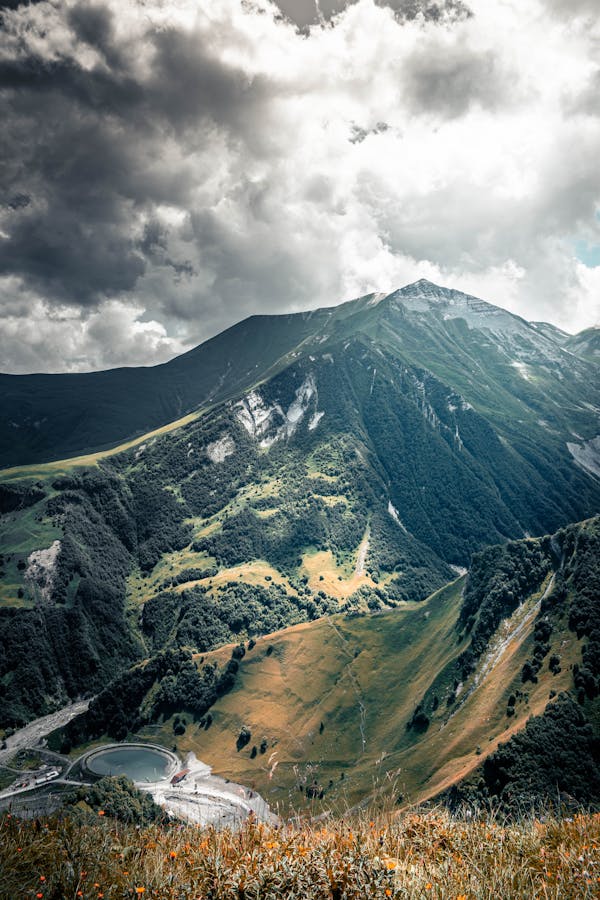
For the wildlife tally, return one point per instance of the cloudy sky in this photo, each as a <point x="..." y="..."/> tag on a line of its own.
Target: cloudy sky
<point x="168" y="168"/>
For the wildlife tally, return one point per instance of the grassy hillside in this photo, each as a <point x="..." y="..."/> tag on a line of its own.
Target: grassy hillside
<point x="489" y="687"/>
<point x="329" y="703"/>
<point x="47" y="470"/>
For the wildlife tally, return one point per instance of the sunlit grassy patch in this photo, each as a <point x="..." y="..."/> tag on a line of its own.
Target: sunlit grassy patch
<point x="324" y="574"/>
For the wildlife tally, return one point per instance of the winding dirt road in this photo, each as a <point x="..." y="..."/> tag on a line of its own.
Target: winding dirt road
<point x="33" y="733"/>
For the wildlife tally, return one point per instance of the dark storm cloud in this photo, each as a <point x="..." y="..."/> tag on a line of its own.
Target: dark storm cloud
<point x="88" y="165"/>
<point x="15" y="4"/>
<point x="305" y="13"/>
<point x="429" y="10"/>
<point x="447" y="81"/>
<point x="71" y="241"/>
<point x="154" y="246"/>
<point x="186" y="82"/>
<point x="189" y="84"/>
<point x="29" y="85"/>
<point x="71" y="260"/>
<point x="94" y="26"/>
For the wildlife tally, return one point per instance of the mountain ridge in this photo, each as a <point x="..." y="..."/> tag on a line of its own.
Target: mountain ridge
<point x="51" y="417"/>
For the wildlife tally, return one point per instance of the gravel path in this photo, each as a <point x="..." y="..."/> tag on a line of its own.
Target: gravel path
<point x="33" y="733"/>
<point x="362" y="554"/>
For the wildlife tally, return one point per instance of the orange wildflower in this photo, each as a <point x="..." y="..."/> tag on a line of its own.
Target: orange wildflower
<point x="140" y="890"/>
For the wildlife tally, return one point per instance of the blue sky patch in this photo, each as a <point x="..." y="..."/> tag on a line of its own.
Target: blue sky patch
<point x="587" y="252"/>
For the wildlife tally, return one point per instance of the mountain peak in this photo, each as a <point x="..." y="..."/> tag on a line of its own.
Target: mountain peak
<point x="423" y="296"/>
<point x="423" y="285"/>
<point x="429" y="290"/>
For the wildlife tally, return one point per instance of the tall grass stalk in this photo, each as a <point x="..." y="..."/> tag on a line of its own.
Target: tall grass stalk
<point x="416" y="855"/>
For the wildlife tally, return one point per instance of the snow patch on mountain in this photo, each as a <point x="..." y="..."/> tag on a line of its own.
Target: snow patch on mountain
<point x="315" y="420"/>
<point x="429" y="413"/>
<point x="509" y="334"/>
<point x="587" y="455"/>
<point x="219" y="450"/>
<point x="458" y="440"/>
<point x="457" y="401"/>
<point x="521" y="369"/>
<point x="395" y="516"/>
<point x="41" y="569"/>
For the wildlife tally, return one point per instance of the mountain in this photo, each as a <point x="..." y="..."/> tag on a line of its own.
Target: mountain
<point x="350" y="460"/>
<point x="552" y="332"/>
<point x="497" y="360"/>
<point x="403" y="433"/>
<point x="46" y="417"/>
<point x="586" y="344"/>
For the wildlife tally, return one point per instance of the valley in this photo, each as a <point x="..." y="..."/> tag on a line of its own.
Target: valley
<point x="327" y="704"/>
<point x="279" y="566"/>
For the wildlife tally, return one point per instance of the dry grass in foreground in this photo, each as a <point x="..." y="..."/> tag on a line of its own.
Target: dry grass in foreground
<point x="427" y="855"/>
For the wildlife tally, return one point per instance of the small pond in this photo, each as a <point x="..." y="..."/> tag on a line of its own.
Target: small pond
<point x="137" y="761"/>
